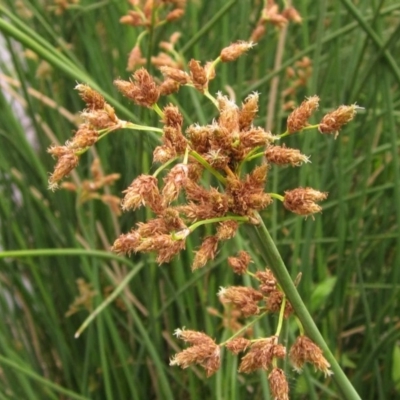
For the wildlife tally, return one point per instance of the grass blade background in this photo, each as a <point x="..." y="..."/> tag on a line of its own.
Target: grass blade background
<point x="349" y="255"/>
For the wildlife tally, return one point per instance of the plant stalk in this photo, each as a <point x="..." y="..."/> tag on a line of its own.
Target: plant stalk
<point x="261" y="238"/>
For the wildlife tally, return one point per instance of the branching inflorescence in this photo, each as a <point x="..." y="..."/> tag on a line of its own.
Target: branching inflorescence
<point x="181" y="202"/>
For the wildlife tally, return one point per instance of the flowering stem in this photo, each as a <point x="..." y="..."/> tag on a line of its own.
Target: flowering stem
<point x="210" y="97"/>
<point x="281" y="315"/>
<point x="158" y="110"/>
<point x="219" y="219"/>
<point x="262" y="239"/>
<point x="307" y="128"/>
<point x="207" y="166"/>
<point x="276" y="196"/>
<point x="136" y="127"/>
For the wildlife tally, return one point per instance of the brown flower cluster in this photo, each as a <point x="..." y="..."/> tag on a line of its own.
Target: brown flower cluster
<point x="143" y="10"/>
<point x="148" y="14"/>
<point x="271" y="14"/>
<point x="203" y="351"/>
<point x="98" y="115"/>
<point x="330" y="123"/>
<point x="260" y="354"/>
<point x="305" y="350"/>
<point x="220" y="147"/>
<point x="246" y="299"/>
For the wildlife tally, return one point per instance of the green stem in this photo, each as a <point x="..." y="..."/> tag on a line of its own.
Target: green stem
<point x="207" y="166"/>
<point x="262" y="240"/>
<point x="121" y="286"/>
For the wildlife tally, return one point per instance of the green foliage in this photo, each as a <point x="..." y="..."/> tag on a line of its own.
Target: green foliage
<point x="349" y="255"/>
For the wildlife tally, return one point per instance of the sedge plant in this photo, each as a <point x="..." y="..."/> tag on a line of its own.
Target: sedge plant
<point x="236" y="156"/>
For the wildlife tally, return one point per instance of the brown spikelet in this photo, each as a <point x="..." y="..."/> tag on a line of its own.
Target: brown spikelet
<point x="172" y="116"/>
<point x="142" y="90"/>
<point x="175" y="74"/>
<point x="332" y="122"/>
<point x="238" y="345"/>
<point x="65" y="164"/>
<point x="198" y="75"/>
<point x="235" y="50"/>
<point x="261" y="354"/>
<point x="249" y="111"/>
<point x="283" y="156"/>
<point x="240" y="263"/>
<point x="305" y="350"/>
<point x="278" y="384"/>
<point x="94" y="100"/>
<point x="126" y="243"/>
<point x="298" y="119"/>
<point x="168" y="87"/>
<point x="204" y="352"/>
<point x="243" y="298"/>
<point x="206" y="252"/>
<point x="303" y="200"/>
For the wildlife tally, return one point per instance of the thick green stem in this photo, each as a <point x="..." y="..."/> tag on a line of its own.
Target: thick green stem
<point x="261" y="238"/>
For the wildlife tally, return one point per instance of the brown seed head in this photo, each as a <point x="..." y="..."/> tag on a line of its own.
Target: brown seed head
<point x="240" y="263"/>
<point x="84" y="137"/>
<point x="199" y="137"/>
<point x="217" y="159"/>
<point x="229" y="114"/>
<point x="135" y="59"/>
<point x="304" y="350"/>
<point x="292" y="14"/>
<point x="126" y="243"/>
<point x="141" y="192"/>
<point x="267" y="281"/>
<point x="237" y="345"/>
<point x="134" y="18"/>
<point x="243" y="298"/>
<point x="235" y="50"/>
<point x="274" y="303"/>
<point x="278" y="384"/>
<point x="302" y="201"/>
<point x="172" y="116"/>
<point x="100" y="119"/>
<point x="298" y="119"/>
<point x="271" y="14"/>
<point x="65" y="164"/>
<point x="261" y="354"/>
<point x="58" y="151"/>
<point x="283" y="156"/>
<point x="227" y="230"/>
<point x="332" y="122"/>
<point x="173" y="183"/>
<point x="254" y="137"/>
<point x="258" y="33"/>
<point x="173" y="137"/>
<point x="94" y="100"/>
<point x="205" y="353"/>
<point x="249" y="111"/>
<point x="142" y="90"/>
<point x="206" y="252"/>
<point x="162" y="154"/>
<point x="164" y="245"/>
<point x="193" y="337"/>
<point x="198" y="75"/>
<point x="168" y="87"/>
<point x="175" y="15"/>
<point x="175" y="74"/>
